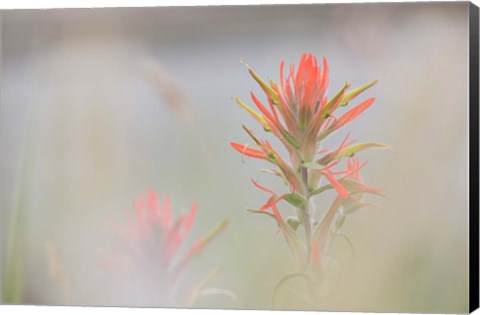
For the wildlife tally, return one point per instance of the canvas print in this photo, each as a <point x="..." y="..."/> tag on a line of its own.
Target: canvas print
<point x="292" y="157"/>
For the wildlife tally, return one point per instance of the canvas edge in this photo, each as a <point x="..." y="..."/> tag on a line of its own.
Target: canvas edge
<point x="474" y="158"/>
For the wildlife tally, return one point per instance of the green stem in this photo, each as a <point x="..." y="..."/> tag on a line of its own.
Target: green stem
<point x="307" y="219"/>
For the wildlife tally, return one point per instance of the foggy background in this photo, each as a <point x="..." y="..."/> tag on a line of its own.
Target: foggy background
<point x="86" y="127"/>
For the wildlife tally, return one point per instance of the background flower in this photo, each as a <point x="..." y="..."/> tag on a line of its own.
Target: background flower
<point x="148" y="248"/>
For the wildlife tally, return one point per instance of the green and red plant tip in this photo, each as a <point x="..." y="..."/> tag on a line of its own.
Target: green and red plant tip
<point x="301" y="116"/>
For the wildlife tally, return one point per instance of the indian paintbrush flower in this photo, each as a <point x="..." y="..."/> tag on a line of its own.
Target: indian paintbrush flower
<point x="151" y="242"/>
<point x="300" y="115"/>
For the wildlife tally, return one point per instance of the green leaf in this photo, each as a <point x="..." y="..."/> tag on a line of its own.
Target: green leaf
<point x="254" y="114"/>
<point x="355" y="92"/>
<point x="276" y="173"/>
<point x="350" y="206"/>
<point x="354" y="187"/>
<point x="293" y="222"/>
<point x="332" y="104"/>
<point x="262" y="212"/>
<point x="321" y="189"/>
<point x="352" y="149"/>
<point x="295" y="200"/>
<point x="270" y="92"/>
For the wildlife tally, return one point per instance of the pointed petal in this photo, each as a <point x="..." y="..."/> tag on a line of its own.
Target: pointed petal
<point x="261" y="187"/>
<point x="190" y="217"/>
<point x="341" y="191"/>
<point x="245" y="150"/>
<point x="273" y="200"/>
<point x="355" y="92"/>
<point x="167" y="212"/>
<point x="253" y="113"/>
<point x="353" y="113"/>
<point x="267" y="89"/>
<point x="264" y="110"/>
<point x="282" y="81"/>
<point x="332" y="105"/>
<point x="335" y="154"/>
<point x="252" y="135"/>
<point x="353" y="149"/>
<point x="199" y="245"/>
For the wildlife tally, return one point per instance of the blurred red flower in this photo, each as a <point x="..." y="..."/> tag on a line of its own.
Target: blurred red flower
<point x="150" y="245"/>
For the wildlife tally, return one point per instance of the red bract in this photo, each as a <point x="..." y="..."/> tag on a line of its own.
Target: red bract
<point x="304" y="91"/>
<point x="341" y="191"/>
<point x="335" y="124"/>
<point x="355" y="180"/>
<point x="245" y="150"/>
<point x="274" y="198"/>
<point x="154" y="223"/>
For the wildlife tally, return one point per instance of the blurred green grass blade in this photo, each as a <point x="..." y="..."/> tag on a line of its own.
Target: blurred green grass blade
<point x="15" y="251"/>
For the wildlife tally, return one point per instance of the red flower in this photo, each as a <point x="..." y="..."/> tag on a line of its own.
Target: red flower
<point x="298" y="112"/>
<point x="299" y="109"/>
<point x="305" y="90"/>
<point x="151" y="241"/>
<point x="300" y="115"/>
<point x="154" y="222"/>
